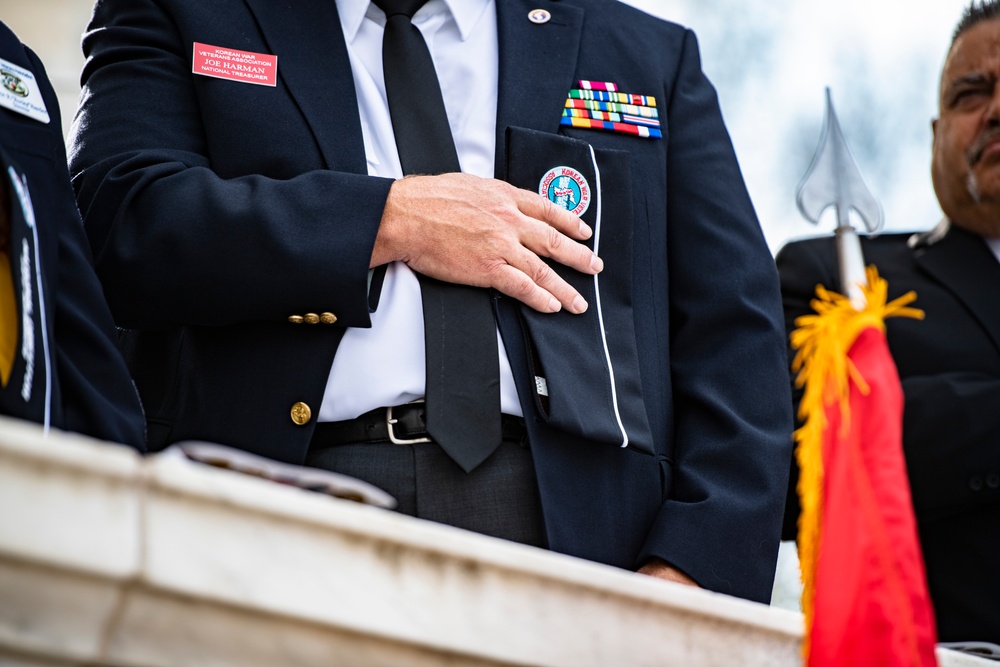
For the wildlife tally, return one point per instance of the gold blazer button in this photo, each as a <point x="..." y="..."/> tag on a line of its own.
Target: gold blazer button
<point x="296" y="319"/>
<point x="301" y="414"/>
<point x="327" y="318"/>
<point x="312" y="318"/>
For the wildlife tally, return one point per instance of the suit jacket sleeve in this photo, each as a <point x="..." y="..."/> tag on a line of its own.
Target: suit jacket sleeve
<point x="99" y="398"/>
<point x="174" y="241"/>
<point x="95" y="393"/>
<point x="801" y="268"/>
<point x="732" y="421"/>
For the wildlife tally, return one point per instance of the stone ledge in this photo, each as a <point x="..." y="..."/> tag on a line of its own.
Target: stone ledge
<point x="107" y="558"/>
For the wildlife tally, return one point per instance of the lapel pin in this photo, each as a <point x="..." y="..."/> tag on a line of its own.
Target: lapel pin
<point x="539" y="16"/>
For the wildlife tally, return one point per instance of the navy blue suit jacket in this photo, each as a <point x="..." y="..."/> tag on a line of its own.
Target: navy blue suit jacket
<point x="217" y="209"/>
<point x="68" y="372"/>
<point x="949" y="365"/>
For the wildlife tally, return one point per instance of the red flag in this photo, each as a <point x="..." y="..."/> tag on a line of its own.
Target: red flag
<point x="865" y="594"/>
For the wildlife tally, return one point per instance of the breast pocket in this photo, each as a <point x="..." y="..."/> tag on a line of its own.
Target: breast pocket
<point x="586" y="366"/>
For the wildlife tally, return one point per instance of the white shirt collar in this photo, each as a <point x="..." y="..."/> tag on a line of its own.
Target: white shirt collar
<point x="994" y="245"/>
<point x="466" y="13"/>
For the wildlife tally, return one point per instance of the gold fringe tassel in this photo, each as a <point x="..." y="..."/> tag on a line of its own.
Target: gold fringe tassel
<point x="824" y="370"/>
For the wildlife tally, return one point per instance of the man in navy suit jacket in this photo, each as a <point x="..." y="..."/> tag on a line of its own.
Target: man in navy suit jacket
<point x="59" y="364"/>
<point x="949" y="362"/>
<point x="234" y="226"/>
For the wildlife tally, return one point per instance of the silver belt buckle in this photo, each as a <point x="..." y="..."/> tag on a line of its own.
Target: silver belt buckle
<point x="390" y="420"/>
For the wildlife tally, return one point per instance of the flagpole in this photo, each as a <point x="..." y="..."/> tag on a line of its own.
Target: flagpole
<point x="864" y="594"/>
<point x="851" y="262"/>
<point x="833" y="179"/>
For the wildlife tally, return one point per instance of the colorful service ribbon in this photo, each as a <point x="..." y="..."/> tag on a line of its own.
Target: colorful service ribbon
<point x="600" y="105"/>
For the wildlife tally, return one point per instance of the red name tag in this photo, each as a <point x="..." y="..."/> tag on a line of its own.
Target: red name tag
<point x="223" y="63"/>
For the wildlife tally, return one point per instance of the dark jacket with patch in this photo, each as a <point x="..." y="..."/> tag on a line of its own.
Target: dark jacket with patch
<point x="223" y="208"/>
<point x="68" y="372"/>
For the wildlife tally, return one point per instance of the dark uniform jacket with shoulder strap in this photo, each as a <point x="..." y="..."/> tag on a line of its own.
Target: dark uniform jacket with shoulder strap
<point x="217" y="209"/>
<point x="68" y="372"/>
<point x="949" y="365"/>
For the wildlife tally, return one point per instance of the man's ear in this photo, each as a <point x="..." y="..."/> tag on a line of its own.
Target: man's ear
<point x="934" y="122"/>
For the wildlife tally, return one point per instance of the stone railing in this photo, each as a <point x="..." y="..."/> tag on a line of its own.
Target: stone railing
<point x="107" y="558"/>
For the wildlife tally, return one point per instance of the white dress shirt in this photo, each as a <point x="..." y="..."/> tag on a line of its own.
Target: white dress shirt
<point x="385" y="365"/>
<point x="994" y="245"/>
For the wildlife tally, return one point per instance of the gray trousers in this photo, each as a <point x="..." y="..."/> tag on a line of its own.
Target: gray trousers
<point x="498" y="498"/>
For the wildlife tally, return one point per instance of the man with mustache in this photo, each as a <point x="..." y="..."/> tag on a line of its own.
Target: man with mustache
<point x="949" y="363"/>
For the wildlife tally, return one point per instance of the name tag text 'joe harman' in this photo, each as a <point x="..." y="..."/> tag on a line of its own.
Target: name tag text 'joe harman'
<point x="257" y="68"/>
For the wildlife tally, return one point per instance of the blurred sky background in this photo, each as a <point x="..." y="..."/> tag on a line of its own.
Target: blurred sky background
<point x="770" y="61"/>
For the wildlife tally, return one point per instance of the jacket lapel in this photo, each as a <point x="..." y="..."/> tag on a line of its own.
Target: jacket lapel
<point x="537" y="64"/>
<point x="314" y="66"/>
<point x="963" y="263"/>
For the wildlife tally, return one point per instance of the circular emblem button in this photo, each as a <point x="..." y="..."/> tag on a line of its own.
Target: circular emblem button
<point x="13" y="83"/>
<point x="566" y="187"/>
<point x="301" y="414"/>
<point x="539" y="16"/>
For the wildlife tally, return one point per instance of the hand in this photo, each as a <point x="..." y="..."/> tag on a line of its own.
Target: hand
<point x="483" y="232"/>
<point x="662" y="570"/>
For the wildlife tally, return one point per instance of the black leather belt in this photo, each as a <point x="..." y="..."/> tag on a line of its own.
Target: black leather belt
<point x="399" y="425"/>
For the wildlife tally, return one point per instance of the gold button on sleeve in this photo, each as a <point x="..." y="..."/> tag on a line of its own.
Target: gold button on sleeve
<point x="312" y="318"/>
<point x="296" y="319"/>
<point x="327" y="318"/>
<point x="301" y="413"/>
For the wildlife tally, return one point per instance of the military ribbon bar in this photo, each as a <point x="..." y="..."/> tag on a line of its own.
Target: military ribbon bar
<point x="599" y="85"/>
<point x="611" y="126"/>
<point x="640" y="120"/>
<point x="600" y="105"/>
<point x="620" y="98"/>
<point x="632" y="109"/>
<point x="614" y="117"/>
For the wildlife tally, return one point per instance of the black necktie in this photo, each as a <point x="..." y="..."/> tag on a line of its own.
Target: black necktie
<point x="463" y="369"/>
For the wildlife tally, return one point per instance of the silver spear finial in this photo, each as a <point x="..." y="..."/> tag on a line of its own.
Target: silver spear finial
<point x="834" y="180"/>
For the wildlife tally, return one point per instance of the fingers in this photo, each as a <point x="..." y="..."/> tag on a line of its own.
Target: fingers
<point x="533" y="282"/>
<point x="662" y="570"/>
<point x="549" y="231"/>
<point x="540" y="208"/>
<point x="483" y="232"/>
<point x="553" y="232"/>
<point x="549" y="242"/>
<point x="517" y="284"/>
